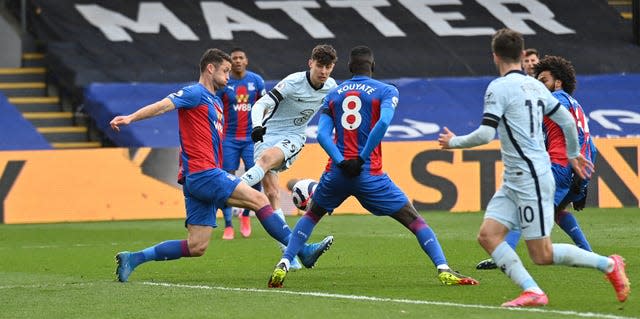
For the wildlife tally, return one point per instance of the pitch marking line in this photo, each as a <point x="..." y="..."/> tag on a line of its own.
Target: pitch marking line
<point x="387" y="300"/>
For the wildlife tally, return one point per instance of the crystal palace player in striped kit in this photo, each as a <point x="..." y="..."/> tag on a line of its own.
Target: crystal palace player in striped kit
<point x="360" y="110"/>
<point x="206" y="186"/>
<point x="243" y="89"/>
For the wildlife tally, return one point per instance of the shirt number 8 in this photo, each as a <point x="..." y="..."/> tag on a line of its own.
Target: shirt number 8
<point x="351" y="118"/>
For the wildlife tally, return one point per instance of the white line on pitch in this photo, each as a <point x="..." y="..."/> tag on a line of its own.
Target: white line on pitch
<point x="390" y="300"/>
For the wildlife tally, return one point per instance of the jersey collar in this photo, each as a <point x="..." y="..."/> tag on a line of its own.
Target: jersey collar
<point x="515" y="71"/>
<point x="360" y="77"/>
<point x="308" y="74"/>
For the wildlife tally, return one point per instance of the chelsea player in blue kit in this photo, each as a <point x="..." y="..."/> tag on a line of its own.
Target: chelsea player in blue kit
<point x="243" y="89"/>
<point x="360" y="110"/>
<point x="559" y="76"/>
<point x="514" y="105"/>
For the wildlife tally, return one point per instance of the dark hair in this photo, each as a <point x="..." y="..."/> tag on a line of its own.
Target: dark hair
<point x="325" y="54"/>
<point x="508" y="45"/>
<point x="213" y="56"/>
<point x="560" y="68"/>
<point x="237" y="49"/>
<point x="531" y="51"/>
<point x="361" y="60"/>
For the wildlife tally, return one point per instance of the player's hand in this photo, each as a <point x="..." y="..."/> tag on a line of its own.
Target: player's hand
<point x="257" y="133"/>
<point x="118" y="121"/>
<point x="352" y="168"/>
<point x="445" y="137"/>
<point x="582" y="166"/>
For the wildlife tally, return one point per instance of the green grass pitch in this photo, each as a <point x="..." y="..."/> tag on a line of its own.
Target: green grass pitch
<point x="375" y="269"/>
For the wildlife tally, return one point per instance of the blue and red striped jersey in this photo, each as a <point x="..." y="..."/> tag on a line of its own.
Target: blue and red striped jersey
<point x="554" y="138"/>
<point x="355" y="107"/>
<point x="238" y="97"/>
<point x="200" y="124"/>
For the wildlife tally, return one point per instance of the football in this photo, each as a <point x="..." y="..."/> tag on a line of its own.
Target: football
<point x="302" y="192"/>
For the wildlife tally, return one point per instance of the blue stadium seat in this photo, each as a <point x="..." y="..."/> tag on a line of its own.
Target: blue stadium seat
<point x="17" y="133"/>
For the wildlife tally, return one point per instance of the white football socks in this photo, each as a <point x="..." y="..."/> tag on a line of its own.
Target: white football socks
<point x="253" y="176"/>
<point x="507" y="260"/>
<point x="570" y="255"/>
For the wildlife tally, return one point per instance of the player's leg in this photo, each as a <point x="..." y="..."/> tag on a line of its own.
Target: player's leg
<point x="500" y="216"/>
<point x="297" y="247"/>
<point x="331" y="191"/>
<point x="277" y="153"/>
<point x="380" y="196"/>
<point x="512" y="238"/>
<point x="231" y="161"/>
<point x="269" y="159"/>
<point x="244" y="196"/>
<point x="272" y="191"/>
<point x="568" y="222"/>
<point x="248" y="160"/>
<point x="200" y="223"/>
<point x="568" y="188"/>
<point x="428" y="241"/>
<point x="227" y="213"/>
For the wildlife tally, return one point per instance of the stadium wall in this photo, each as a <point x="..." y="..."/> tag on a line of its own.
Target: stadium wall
<point x="139" y="183"/>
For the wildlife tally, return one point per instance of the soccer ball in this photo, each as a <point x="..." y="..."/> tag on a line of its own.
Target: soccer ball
<point x="302" y="192"/>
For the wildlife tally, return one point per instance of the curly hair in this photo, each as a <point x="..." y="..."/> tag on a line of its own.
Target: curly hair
<point x="560" y="68"/>
<point x="325" y="54"/>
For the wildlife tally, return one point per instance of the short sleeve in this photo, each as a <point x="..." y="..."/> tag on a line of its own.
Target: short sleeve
<point x="551" y="104"/>
<point x="261" y="87"/>
<point x="493" y="106"/>
<point x="391" y="97"/>
<point x="187" y="97"/>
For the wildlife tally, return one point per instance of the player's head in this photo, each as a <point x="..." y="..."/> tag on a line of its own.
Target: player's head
<point x="239" y="61"/>
<point x="556" y="73"/>
<point x="361" y="60"/>
<point x="323" y="59"/>
<point x="215" y="66"/>
<point x="530" y="60"/>
<point x="507" y="46"/>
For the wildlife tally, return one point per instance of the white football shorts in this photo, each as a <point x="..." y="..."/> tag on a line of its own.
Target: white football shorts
<point x="526" y="203"/>
<point x="290" y="145"/>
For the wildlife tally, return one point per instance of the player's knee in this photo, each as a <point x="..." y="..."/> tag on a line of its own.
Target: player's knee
<point x="542" y="258"/>
<point x="487" y="241"/>
<point x="197" y="249"/>
<point x="272" y="194"/>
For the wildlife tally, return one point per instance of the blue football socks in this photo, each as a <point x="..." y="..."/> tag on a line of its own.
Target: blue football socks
<point x="227" y="213"/>
<point x="569" y="224"/>
<point x="300" y="235"/>
<point x="273" y="224"/>
<point x="428" y="241"/>
<point x="166" y="250"/>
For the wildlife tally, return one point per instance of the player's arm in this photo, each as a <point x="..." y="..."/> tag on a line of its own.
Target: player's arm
<point x="493" y="109"/>
<point x="482" y="135"/>
<point x="325" y="128"/>
<point x="387" y="109"/>
<point x="145" y="112"/>
<point x="265" y="105"/>
<point x="566" y="121"/>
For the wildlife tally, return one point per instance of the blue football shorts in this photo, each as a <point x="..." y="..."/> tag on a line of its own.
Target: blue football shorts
<point x="376" y="193"/>
<point x="205" y="192"/>
<point x="233" y="150"/>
